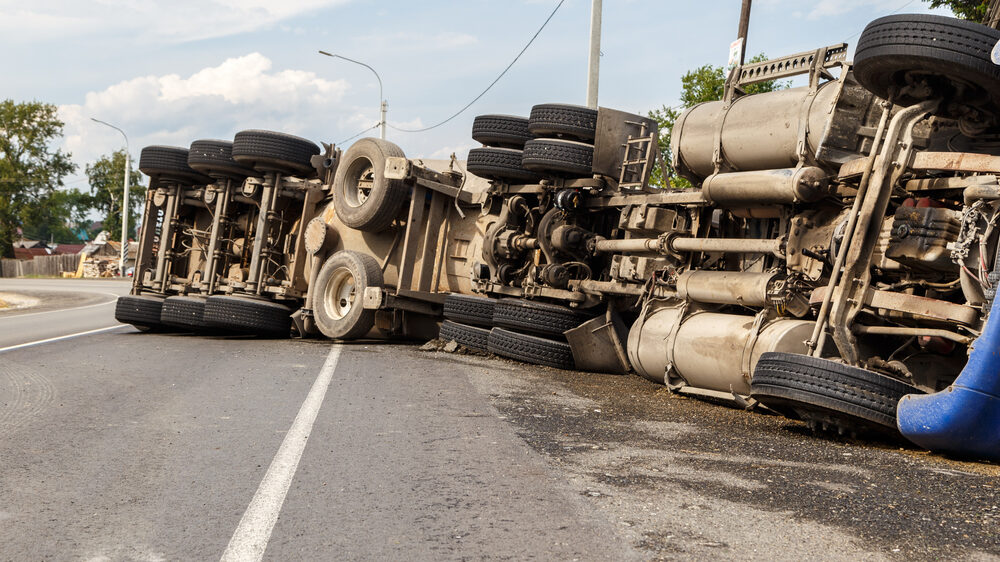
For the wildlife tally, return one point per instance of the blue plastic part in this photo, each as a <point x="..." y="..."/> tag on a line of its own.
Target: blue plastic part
<point x="964" y="419"/>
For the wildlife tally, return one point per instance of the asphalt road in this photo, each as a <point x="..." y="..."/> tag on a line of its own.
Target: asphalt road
<point x="64" y="307"/>
<point x="122" y="445"/>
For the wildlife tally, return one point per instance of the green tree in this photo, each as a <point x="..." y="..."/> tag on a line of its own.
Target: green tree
<point x="974" y="10"/>
<point x="30" y="169"/>
<point x="706" y="83"/>
<point x="107" y="178"/>
<point x="61" y="217"/>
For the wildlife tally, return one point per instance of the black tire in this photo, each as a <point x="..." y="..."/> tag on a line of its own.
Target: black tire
<point x="952" y="54"/>
<point x="362" y="196"/>
<point x="501" y="164"/>
<point x="170" y="163"/>
<point x="215" y="158"/>
<point x="471" y="337"/>
<point x="503" y="131"/>
<point x="141" y="311"/>
<point x="186" y="313"/>
<point x="530" y="349"/>
<point x="562" y="120"/>
<point x="339" y="295"/>
<point x="827" y="394"/>
<point x="247" y="315"/>
<point x="561" y="157"/>
<point x="272" y="151"/>
<point x="537" y="317"/>
<point x="468" y="309"/>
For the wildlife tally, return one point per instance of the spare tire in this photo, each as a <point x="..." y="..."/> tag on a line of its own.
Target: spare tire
<point x="562" y="120"/>
<point x="500" y="164"/>
<point x="557" y="156"/>
<point x="363" y="197"/>
<point x="267" y="151"/>
<point x="827" y="394"/>
<point x="215" y="158"/>
<point x="952" y="56"/>
<point x="170" y="163"/>
<point x="503" y="131"/>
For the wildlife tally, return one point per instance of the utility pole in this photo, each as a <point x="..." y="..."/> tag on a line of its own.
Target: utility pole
<point x="993" y="14"/>
<point x="744" y="29"/>
<point x="383" y="104"/>
<point x="128" y="170"/>
<point x="595" y="53"/>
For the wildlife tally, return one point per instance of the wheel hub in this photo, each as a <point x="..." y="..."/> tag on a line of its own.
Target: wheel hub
<point x="339" y="297"/>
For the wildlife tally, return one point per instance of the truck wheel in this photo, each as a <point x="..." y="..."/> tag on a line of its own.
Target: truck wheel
<point x="362" y="196"/>
<point x="340" y="289"/>
<point x="530" y="349"/>
<point x="471" y="337"/>
<point x="248" y="315"/>
<point x="215" y="158"/>
<point x="537" y="317"/>
<point x="503" y="131"/>
<point x="952" y="55"/>
<point x="562" y="120"/>
<point x="501" y="164"/>
<point x="187" y="313"/>
<point x="558" y="156"/>
<point x="468" y="309"/>
<point x="170" y="162"/>
<point x="827" y="394"/>
<point x="272" y="151"/>
<point x="141" y="311"/>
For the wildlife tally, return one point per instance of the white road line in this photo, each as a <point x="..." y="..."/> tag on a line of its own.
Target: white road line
<point x="105" y="303"/>
<point x="254" y="531"/>
<point x="76" y="335"/>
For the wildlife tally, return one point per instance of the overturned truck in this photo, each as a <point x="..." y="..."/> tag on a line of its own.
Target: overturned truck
<point x="836" y="260"/>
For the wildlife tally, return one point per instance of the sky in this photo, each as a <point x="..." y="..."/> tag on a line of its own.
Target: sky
<point x="174" y="72"/>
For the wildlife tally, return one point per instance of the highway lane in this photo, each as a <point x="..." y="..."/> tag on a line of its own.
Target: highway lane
<point x="132" y="446"/>
<point x="65" y="307"/>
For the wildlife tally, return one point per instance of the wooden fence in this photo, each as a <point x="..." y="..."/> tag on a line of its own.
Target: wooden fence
<point x="44" y="266"/>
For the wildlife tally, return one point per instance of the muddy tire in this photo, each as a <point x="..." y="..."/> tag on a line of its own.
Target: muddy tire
<point x="472" y="337"/>
<point x="559" y="157"/>
<point x="215" y="158"/>
<point x="951" y="55"/>
<point x="530" y="349"/>
<point x="141" y="311"/>
<point x="468" y="309"/>
<point x="170" y="163"/>
<point x="828" y="395"/>
<point x="340" y="289"/>
<point x="248" y="316"/>
<point x="537" y="317"/>
<point x="272" y="151"/>
<point x="502" y="131"/>
<point x="501" y="164"/>
<point x="186" y="313"/>
<point x="362" y="196"/>
<point x="549" y="120"/>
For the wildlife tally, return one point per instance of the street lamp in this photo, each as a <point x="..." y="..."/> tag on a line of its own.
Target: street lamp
<point x="384" y="105"/>
<point x="128" y="169"/>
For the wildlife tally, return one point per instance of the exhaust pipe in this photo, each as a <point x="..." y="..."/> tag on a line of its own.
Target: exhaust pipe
<point x="964" y="419"/>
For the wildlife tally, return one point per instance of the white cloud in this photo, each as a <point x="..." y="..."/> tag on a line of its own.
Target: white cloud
<point x="178" y="20"/>
<point x="215" y="102"/>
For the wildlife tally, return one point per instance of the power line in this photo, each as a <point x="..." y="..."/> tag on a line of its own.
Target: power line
<point x="375" y="126"/>
<point x="468" y="105"/>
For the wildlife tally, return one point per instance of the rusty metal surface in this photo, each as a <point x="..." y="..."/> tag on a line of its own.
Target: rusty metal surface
<point x="922" y="307"/>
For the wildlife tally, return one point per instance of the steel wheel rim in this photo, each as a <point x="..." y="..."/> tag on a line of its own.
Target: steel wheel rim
<point x="360" y="183"/>
<point x="340" y="294"/>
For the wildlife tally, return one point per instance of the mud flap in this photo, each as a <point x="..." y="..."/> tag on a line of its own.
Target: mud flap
<point x="964" y="419"/>
<point x="598" y="346"/>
